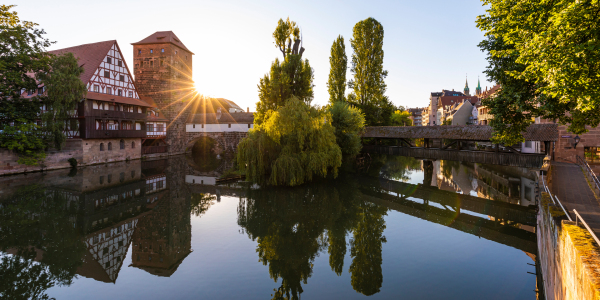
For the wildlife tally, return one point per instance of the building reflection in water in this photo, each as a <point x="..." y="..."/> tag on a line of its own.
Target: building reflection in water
<point x="94" y="216"/>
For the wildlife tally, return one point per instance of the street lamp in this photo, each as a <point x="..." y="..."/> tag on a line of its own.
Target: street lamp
<point x="577" y="139"/>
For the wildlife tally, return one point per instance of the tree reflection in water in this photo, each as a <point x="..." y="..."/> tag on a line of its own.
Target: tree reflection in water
<point x="290" y="225"/>
<point x="37" y="229"/>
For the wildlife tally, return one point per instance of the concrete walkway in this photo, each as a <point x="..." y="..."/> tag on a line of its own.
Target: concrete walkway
<point x="571" y="188"/>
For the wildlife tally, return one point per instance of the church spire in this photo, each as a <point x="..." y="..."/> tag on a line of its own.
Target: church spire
<point x="478" y="89"/>
<point x="466" y="90"/>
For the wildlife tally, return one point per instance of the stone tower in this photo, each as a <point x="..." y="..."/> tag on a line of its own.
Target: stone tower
<point x="163" y="72"/>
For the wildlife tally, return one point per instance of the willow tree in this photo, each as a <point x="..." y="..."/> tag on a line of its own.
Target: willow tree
<point x="65" y="90"/>
<point x="546" y="57"/>
<point x="338" y="61"/>
<point x="292" y="145"/>
<point x="368" y="84"/>
<point x="292" y="76"/>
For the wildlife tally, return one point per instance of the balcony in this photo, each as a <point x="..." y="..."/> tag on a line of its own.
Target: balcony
<point x="107" y="134"/>
<point x="154" y="149"/>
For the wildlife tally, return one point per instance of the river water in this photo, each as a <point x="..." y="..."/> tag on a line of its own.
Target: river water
<point x="163" y="230"/>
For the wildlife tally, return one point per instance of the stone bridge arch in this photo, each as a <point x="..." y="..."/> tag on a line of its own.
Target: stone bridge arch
<point x="226" y="142"/>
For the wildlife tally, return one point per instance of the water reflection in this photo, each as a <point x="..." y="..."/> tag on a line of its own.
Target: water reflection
<point x="69" y="225"/>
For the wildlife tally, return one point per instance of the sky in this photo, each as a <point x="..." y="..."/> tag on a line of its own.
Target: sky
<point x="428" y="45"/>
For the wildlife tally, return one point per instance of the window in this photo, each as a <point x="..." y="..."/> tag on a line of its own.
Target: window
<point x="101" y="149"/>
<point x="152" y="63"/>
<point x="100" y="125"/>
<point x="109" y="149"/>
<point x="249" y="125"/>
<point x="122" y="177"/>
<point x="101" y="181"/>
<point x="138" y="126"/>
<point x="194" y="126"/>
<point x="40" y="91"/>
<point x="119" y="63"/>
<point x="229" y="125"/>
<point x="121" y="78"/>
<point x="186" y="57"/>
<point x="592" y="154"/>
<point x="162" y="62"/>
<point x="175" y="51"/>
<point x="139" y="110"/>
<point x="109" y="177"/>
<point x="122" y="144"/>
<point x="30" y="92"/>
<point x="109" y="91"/>
<point x="160" y="127"/>
<point x="106" y="74"/>
<point x="150" y="127"/>
<point x="527" y="144"/>
<point x="151" y="51"/>
<point x="112" y="125"/>
<point x="120" y="92"/>
<point x="162" y="50"/>
<point x="132" y="147"/>
<point x="130" y="94"/>
<point x="108" y="60"/>
<point x="96" y="88"/>
<point x="139" y="52"/>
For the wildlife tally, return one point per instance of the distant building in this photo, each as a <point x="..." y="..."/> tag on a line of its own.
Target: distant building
<point x="416" y="116"/>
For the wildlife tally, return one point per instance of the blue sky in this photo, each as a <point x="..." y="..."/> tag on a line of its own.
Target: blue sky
<point x="428" y="45"/>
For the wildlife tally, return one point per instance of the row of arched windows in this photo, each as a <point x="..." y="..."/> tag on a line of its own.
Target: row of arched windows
<point x="121" y="145"/>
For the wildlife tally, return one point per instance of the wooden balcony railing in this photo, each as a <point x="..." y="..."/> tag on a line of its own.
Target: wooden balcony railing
<point x="154" y="149"/>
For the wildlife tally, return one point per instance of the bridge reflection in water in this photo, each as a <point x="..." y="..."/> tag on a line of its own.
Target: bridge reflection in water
<point x="103" y="211"/>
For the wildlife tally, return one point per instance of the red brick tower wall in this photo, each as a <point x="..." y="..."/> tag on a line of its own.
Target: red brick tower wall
<point x="165" y="75"/>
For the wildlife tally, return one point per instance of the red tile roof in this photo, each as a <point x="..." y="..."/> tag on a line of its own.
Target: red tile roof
<point x="90" y="56"/>
<point x="163" y="37"/>
<point x="451" y="100"/>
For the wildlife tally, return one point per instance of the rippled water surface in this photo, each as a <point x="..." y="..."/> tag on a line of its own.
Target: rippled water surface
<point x="400" y="228"/>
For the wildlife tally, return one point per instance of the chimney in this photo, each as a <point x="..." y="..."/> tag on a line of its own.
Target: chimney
<point x="248" y="109"/>
<point x="218" y="113"/>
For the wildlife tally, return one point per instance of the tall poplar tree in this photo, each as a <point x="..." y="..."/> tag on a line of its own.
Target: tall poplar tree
<point x="291" y="77"/>
<point x="337" y="74"/>
<point x="367" y="67"/>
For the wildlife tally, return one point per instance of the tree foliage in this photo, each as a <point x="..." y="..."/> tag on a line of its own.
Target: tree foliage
<point x="368" y="83"/>
<point x="546" y="57"/>
<point x="23" y="59"/>
<point x="293" y="144"/>
<point x="291" y="77"/>
<point x="338" y="61"/>
<point x="349" y="123"/>
<point x="401" y="118"/>
<point x="65" y="91"/>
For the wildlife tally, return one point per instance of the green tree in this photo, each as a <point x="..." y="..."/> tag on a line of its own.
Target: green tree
<point x="545" y="55"/>
<point x="23" y="59"/>
<point x="291" y="77"/>
<point x="349" y="123"/>
<point x="337" y="74"/>
<point x="367" y="67"/>
<point x="65" y="91"/>
<point x="294" y="143"/>
<point x="401" y="118"/>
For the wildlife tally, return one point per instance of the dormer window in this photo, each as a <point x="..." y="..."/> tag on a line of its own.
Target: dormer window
<point x="108" y="60"/>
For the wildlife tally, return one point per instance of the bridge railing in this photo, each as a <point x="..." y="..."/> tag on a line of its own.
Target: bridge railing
<point x="578" y="217"/>
<point x="554" y="198"/>
<point x="591" y="176"/>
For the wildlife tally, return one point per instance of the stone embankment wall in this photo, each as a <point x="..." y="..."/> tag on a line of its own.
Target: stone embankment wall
<point x="569" y="257"/>
<point x="86" y="152"/>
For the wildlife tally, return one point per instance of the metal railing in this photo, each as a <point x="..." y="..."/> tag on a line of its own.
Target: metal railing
<point x="591" y="175"/>
<point x="578" y="217"/>
<point x="554" y="198"/>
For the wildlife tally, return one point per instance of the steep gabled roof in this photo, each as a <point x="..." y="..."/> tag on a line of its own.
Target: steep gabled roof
<point x="163" y="37"/>
<point x="90" y="56"/>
